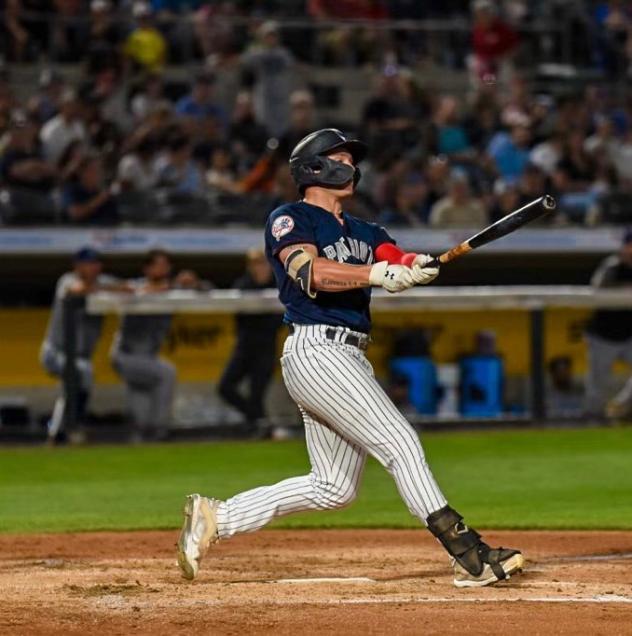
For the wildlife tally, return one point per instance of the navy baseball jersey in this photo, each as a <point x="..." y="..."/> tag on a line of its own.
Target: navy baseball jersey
<point x="353" y="242"/>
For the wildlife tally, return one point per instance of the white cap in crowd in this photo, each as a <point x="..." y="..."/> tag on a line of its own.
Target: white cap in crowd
<point x="141" y="9"/>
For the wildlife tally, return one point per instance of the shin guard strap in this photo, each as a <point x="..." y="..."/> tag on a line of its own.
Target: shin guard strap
<point x="460" y="541"/>
<point x="493" y="557"/>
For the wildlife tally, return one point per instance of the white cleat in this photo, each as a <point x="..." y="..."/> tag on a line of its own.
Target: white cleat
<point x="57" y="418"/>
<point x="199" y="531"/>
<point x="501" y="570"/>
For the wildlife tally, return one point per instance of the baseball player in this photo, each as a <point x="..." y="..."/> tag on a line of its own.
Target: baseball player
<point x="150" y="380"/>
<point x="86" y="276"/>
<point x="610" y="337"/>
<point x="325" y="263"/>
<point x="254" y="356"/>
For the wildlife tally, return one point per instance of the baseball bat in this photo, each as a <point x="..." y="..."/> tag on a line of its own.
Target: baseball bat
<point x="508" y="224"/>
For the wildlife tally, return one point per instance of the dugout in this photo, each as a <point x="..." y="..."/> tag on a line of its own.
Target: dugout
<point x="200" y="340"/>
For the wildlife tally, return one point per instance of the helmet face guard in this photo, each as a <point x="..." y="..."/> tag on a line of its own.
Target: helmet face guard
<point x="323" y="171"/>
<point x="310" y="164"/>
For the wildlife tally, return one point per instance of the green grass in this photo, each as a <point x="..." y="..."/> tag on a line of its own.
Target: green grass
<point x="527" y="479"/>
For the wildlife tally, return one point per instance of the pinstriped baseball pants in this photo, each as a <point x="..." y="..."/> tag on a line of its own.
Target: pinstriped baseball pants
<point x="346" y="414"/>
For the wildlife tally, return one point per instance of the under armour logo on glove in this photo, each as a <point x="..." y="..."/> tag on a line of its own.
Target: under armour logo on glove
<point x="394" y="278"/>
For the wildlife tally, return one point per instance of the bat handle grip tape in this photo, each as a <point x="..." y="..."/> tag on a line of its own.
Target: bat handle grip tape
<point x="446" y="257"/>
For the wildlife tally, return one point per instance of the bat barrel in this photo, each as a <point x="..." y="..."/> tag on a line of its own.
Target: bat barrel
<point x="549" y="202"/>
<point x="527" y="213"/>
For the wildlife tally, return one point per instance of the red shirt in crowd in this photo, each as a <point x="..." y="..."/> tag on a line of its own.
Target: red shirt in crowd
<point x="492" y="41"/>
<point x="347" y="9"/>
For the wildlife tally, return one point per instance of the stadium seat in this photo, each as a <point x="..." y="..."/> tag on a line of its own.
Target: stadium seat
<point x="617" y="208"/>
<point x="137" y="207"/>
<point x="27" y="207"/>
<point x="181" y="207"/>
<point x="423" y="389"/>
<point x="482" y="381"/>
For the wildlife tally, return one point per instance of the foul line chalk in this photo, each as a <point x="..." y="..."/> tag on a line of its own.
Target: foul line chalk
<point x="118" y="602"/>
<point x="593" y="557"/>
<point x="606" y="598"/>
<point x="327" y="579"/>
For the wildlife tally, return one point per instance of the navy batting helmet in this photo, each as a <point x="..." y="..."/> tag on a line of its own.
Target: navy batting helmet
<point x="310" y="165"/>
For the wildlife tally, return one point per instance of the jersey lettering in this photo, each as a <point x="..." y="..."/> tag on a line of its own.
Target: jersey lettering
<point x="352" y="242"/>
<point x="346" y="247"/>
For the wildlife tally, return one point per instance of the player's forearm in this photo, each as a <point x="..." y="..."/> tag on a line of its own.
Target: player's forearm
<point x="116" y="286"/>
<point x="331" y="276"/>
<point x="30" y="170"/>
<point x="80" y="211"/>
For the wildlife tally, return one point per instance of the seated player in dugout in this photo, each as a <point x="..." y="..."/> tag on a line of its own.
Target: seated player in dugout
<point x="325" y="262"/>
<point x="85" y="278"/>
<point x="135" y="354"/>
<point x="254" y="356"/>
<point x="609" y="338"/>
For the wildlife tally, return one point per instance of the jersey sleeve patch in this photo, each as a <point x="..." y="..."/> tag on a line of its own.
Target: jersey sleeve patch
<point x="281" y="226"/>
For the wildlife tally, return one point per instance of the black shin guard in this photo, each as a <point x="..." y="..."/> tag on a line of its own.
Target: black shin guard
<point x="463" y="543"/>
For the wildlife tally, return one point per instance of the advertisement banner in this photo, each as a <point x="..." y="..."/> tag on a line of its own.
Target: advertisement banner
<point x="199" y="345"/>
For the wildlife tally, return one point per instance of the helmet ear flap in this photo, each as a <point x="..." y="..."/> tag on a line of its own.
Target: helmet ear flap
<point x="315" y="164"/>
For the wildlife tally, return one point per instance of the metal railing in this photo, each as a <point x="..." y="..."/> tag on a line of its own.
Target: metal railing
<point x="426" y="298"/>
<point x="533" y="299"/>
<point x="444" y="42"/>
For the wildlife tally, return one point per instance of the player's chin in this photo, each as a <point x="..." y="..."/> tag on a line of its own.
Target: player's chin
<point x="346" y="191"/>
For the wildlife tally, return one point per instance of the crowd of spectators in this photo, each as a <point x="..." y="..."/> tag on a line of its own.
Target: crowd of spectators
<point x="153" y="32"/>
<point x="127" y="143"/>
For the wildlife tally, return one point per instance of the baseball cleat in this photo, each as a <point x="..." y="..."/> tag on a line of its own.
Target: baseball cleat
<point x="199" y="531"/>
<point x="57" y="418"/>
<point x="498" y="565"/>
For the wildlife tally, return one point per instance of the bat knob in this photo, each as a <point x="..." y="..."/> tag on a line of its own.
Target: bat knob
<point x="549" y="202"/>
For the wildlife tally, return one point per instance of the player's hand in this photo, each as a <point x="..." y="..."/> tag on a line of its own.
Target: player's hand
<point x="423" y="275"/>
<point x="157" y="287"/>
<point x="78" y="288"/>
<point x="394" y="278"/>
<point x="187" y="279"/>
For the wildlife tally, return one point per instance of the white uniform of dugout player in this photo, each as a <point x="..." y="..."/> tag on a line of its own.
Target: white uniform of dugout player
<point x="325" y="265"/>
<point x="150" y="380"/>
<point x="86" y="277"/>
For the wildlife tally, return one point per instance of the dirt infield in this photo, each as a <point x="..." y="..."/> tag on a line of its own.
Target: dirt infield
<point x="325" y="582"/>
